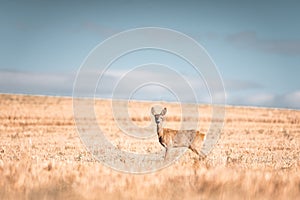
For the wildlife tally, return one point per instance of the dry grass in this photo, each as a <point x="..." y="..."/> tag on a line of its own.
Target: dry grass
<point x="41" y="156"/>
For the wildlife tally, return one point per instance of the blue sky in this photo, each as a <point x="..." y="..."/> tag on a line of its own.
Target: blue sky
<point x="255" y="45"/>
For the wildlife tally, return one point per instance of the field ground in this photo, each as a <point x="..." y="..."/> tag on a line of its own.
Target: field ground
<point x="42" y="157"/>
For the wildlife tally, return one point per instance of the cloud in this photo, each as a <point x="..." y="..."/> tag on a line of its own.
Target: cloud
<point x="62" y="85"/>
<point x="261" y="99"/>
<point x="250" y="40"/>
<point x="287" y="100"/>
<point x="238" y="85"/>
<point x="291" y="100"/>
<point x="135" y="84"/>
<point x="149" y="83"/>
<point x="35" y="83"/>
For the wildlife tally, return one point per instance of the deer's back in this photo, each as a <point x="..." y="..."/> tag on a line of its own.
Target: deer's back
<point x="182" y="138"/>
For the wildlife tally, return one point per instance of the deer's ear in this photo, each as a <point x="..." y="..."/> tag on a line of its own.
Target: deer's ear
<point x="164" y="111"/>
<point x="152" y="111"/>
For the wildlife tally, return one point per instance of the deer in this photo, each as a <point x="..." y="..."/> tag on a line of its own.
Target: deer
<point x="170" y="138"/>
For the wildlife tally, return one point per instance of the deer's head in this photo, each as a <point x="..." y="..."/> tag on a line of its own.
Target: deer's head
<point x="159" y="118"/>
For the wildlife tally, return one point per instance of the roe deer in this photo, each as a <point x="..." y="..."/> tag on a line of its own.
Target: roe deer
<point x="169" y="138"/>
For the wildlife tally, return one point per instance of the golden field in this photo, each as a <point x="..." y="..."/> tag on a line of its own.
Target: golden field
<point x="42" y="157"/>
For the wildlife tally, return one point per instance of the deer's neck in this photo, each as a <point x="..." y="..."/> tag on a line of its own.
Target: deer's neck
<point x="160" y="130"/>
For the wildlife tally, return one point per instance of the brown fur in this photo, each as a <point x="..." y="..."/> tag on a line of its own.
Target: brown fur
<point x="170" y="138"/>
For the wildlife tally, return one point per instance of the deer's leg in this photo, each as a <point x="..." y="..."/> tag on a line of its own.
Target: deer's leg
<point x="166" y="153"/>
<point x="201" y="156"/>
<point x="194" y="149"/>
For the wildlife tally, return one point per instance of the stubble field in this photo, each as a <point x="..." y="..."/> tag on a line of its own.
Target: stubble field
<point x="42" y="157"/>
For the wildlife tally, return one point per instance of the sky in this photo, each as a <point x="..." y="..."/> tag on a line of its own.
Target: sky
<point x="254" y="45"/>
